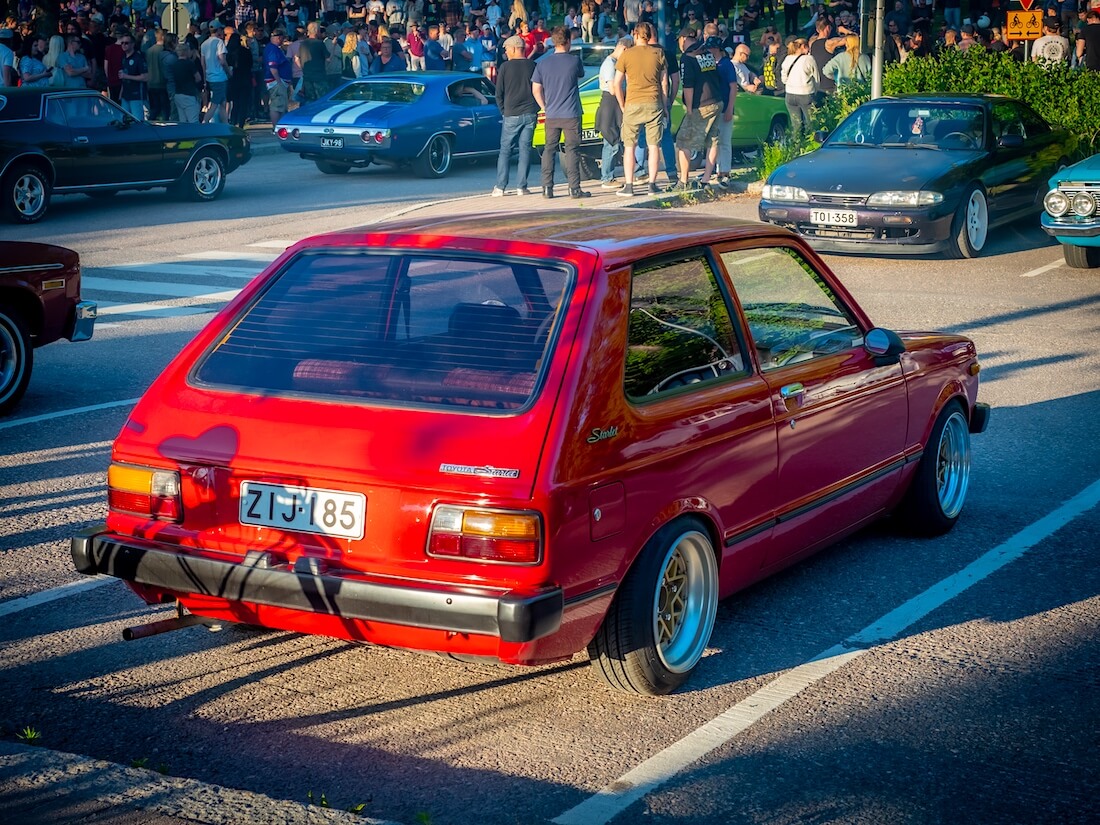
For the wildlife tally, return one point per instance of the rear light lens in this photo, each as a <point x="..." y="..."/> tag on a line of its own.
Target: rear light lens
<point x="282" y="132"/>
<point x="377" y="136"/>
<point x="144" y="491"/>
<point x="501" y="536"/>
<point x="294" y="133"/>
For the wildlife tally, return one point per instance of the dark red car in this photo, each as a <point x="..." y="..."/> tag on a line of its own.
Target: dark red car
<point x="520" y="436"/>
<point x="39" y="304"/>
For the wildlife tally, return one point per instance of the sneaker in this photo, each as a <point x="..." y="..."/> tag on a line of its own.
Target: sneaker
<point x="497" y="192"/>
<point x="654" y="189"/>
<point x="577" y="194"/>
<point x="610" y="184"/>
<point x="641" y="174"/>
<point x="676" y="186"/>
<point x="627" y="191"/>
<point x="523" y="190"/>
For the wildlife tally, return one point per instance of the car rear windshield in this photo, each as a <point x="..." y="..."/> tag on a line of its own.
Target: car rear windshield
<point x="381" y="92"/>
<point x="394" y="328"/>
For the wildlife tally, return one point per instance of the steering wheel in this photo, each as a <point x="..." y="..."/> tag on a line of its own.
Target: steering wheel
<point x="969" y="140"/>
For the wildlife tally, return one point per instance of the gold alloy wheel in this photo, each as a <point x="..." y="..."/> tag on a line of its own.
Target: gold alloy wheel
<point x="686" y="601"/>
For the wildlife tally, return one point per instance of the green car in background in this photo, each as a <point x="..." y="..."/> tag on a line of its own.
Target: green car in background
<point x="757" y="119"/>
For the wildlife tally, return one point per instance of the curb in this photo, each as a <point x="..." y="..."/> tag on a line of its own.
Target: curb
<point x="46" y="786"/>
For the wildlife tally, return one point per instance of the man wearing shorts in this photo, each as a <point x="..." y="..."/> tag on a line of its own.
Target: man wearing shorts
<point x="645" y="71"/>
<point x="279" y="76"/>
<point x="702" y="109"/>
<point x="215" y="67"/>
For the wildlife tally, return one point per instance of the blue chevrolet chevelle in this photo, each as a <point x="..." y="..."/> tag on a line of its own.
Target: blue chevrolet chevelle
<point x="420" y="119"/>
<point x="1072" y="212"/>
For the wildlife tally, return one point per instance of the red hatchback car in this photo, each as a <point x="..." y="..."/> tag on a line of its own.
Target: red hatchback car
<point x="518" y="436"/>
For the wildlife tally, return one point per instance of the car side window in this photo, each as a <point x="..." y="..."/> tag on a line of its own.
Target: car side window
<point x="1033" y="122"/>
<point x="1007" y="120"/>
<point x="792" y="313"/>
<point x="681" y="332"/>
<point x="54" y="114"/>
<point x="89" y="112"/>
<point x="470" y="93"/>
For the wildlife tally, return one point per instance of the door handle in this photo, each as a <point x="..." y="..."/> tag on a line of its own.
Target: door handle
<point x="791" y="391"/>
<point x="80" y="139"/>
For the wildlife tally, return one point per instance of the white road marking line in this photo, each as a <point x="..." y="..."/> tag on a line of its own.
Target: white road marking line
<point x="236" y="255"/>
<point x="658" y="769"/>
<point x="274" y="244"/>
<point x="165" y="310"/>
<point x="53" y="594"/>
<point x="1040" y="270"/>
<point x="246" y="271"/>
<point x="171" y="290"/>
<point x="35" y="419"/>
<point x="65" y="451"/>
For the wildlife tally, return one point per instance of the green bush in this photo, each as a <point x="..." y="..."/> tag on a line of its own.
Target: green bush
<point x="1068" y="98"/>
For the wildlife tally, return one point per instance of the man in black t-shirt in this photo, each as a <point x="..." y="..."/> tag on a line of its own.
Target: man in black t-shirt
<point x="520" y="112"/>
<point x="1088" y="42"/>
<point x="134" y="75"/>
<point x="702" y="86"/>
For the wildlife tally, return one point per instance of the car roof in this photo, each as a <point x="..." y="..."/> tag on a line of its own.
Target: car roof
<point x="617" y="235"/>
<point x="951" y="97"/>
<point x="26" y="103"/>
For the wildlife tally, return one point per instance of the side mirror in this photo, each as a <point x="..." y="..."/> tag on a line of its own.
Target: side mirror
<point x="884" y="345"/>
<point x="1010" y="141"/>
<point x="820" y="135"/>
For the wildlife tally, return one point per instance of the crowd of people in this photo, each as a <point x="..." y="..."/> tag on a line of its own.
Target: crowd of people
<point x="241" y="61"/>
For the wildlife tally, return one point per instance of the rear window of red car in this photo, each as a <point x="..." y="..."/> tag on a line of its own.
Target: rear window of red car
<point x="387" y="327"/>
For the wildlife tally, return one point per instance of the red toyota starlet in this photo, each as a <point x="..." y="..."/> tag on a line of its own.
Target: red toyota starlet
<point x="518" y="436"/>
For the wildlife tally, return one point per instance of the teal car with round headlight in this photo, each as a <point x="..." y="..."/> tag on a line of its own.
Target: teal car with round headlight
<point x="1071" y="212"/>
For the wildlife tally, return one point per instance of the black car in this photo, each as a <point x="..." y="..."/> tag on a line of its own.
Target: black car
<point x="919" y="174"/>
<point x="76" y="140"/>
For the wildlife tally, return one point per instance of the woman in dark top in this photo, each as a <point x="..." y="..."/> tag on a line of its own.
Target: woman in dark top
<point x="239" y="90"/>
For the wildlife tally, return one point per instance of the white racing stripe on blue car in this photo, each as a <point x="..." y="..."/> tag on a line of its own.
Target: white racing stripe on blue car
<point x="352" y="115"/>
<point x="329" y="114"/>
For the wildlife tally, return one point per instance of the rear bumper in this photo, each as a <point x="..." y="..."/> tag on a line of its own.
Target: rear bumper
<point x="309" y="588"/>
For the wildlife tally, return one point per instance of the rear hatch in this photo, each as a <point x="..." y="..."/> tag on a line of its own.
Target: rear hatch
<point x="354" y="392"/>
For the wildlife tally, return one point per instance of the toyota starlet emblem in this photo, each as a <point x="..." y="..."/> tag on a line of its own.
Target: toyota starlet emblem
<point x="485" y="471"/>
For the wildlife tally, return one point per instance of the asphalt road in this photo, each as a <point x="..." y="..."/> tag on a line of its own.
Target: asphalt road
<point x="819" y="700"/>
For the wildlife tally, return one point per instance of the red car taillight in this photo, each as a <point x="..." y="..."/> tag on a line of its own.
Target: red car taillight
<point x="486" y="535"/>
<point x="144" y="491"/>
<point x="282" y="132"/>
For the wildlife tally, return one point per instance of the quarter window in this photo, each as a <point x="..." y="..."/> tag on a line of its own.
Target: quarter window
<point x="792" y="313"/>
<point x="680" y="332"/>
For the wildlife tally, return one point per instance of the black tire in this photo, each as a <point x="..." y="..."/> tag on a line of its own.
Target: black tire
<point x="204" y="179"/>
<point x="435" y="160"/>
<point x="327" y="167"/>
<point x="1081" y="257"/>
<point x="778" y="130"/>
<point x="26" y="193"/>
<point x="937" y="493"/>
<point x="16" y="358"/>
<point x="970" y="229"/>
<point x="589" y="167"/>
<point x="651" y="638"/>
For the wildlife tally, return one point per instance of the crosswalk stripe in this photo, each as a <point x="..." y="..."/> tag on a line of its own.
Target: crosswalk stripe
<point x="170" y="290"/>
<point x="159" y="310"/>
<point x="243" y="272"/>
<point x="242" y="255"/>
<point x="276" y="244"/>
